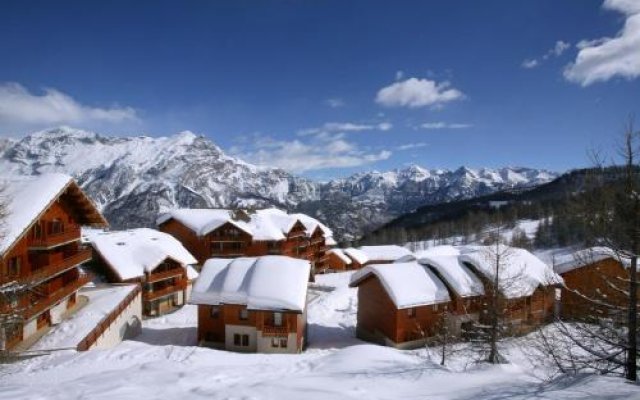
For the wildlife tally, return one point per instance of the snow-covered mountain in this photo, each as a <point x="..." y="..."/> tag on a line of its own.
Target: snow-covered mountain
<point x="133" y="178"/>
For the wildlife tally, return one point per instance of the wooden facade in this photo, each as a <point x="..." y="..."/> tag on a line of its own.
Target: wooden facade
<point x="589" y="288"/>
<point x="45" y="258"/>
<point x="380" y="321"/>
<point x="335" y="263"/>
<point x="229" y="241"/>
<point x="233" y="327"/>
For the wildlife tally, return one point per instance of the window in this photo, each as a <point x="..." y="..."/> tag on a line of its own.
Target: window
<point x="13" y="267"/>
<point x="283" y="342"/>
<point x="277" y="319"/>
<point x="244" y="314"/>
<point x="56" y="226"/>
<point x="237" y="340"/>
<point x="411" y="312"/>
<point x="275" y="342"/>
<point x="215" y="311"/>
<point x="245" y="340"/>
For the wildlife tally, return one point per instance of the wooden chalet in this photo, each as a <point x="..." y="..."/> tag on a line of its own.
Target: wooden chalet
<point x="594" y="282"/>
<point x="527" y="286"/>
<point x="153" y="259"/>
<point x="253" y="304"/>
<point x="385" y="254"/>
<point x="338" y="261"/>
<point x="399" y="305"/>
<point x="217" y="233"/>
<point x="40" y="249"/>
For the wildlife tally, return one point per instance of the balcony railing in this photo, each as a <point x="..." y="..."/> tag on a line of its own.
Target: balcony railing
<point x="56" y="296"/>
<point x="169" y="290"/>
<point x="161" y="276"/>
<point x="57" y="267"/>
<point x="271" y="330"/>
<point x="49" y="240"/>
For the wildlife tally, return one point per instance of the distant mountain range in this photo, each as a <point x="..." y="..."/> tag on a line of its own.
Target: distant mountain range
<point x="133" y="178"/>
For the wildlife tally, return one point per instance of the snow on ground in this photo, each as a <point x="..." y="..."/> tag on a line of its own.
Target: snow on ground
<point x="70" y="332"/>
<point x="162" y="364"/>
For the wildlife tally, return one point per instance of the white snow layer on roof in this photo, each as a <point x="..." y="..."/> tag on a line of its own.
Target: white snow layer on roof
<point x="385" y="253"/>
<point x="519" y="273"/>
<point x="407" y="284"/>
<point x="133" y="252"/>
<point x="441" y="250"/>
<point x="358" y="255"/>
<point x="462" y="280"/>
<point x="266" y="224"/>
<point x="25" y="199"/>
<point x="588" y="256"/>
<point x="260" y="283"/>
<point x="340" y="254"/>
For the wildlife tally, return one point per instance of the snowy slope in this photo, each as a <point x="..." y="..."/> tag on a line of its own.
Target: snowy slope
<point x="134" y="178"/>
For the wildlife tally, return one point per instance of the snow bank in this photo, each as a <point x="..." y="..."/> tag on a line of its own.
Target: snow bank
<point x="407" y="284"/>
<point x="133" y="252"/>
<point x="261" y="283"/>
<point x="519" y="272"/>
<point x="26" y="198"/>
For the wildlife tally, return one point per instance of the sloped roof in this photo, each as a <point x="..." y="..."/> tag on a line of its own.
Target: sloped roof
<point x="340" y="254"/>
<point x="407" y="284"/>
<point x="203" y="220"/>
<point x="358" y="255"/>
<point x="588" y="256"/>
<point x="133" y="252"/>
<point x="260" y="283"/>
<point x="386" y="253"/>
<point x="27" y="198"/>
<point x="519" y="273"/>
<point x="461" y="279"/>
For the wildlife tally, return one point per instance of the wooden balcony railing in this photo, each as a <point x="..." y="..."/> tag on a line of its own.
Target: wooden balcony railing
<point x="161" y="276"/>
<point x="56" y="296"/>
<point x="156" y="294"/>
<point x="271" y="330"/>
<point x="57" y="267"/>
<point x="106" y="322"/>
<point x="49" y="240"/>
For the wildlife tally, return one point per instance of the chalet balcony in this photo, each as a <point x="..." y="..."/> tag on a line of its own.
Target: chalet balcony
<point x="167" y="291"/>
<point x="53" y="297"/>
<point x="51" y="240"/>
<point x="57" y="266"/>
<point x="278" y="331"/>
<point x="164" y="275"/>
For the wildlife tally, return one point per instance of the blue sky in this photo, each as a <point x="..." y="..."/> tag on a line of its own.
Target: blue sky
<point x="327" y="88"/>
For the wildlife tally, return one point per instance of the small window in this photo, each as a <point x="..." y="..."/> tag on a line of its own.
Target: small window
<point x="283" y="343"/>
<point x="245" y="340"/>
<point x="237" y="339"/>
<point x="244" y="314"/>
<point x="275" y="342"/>
<point x="13" y="268"/>
<point x="411" y="312"/>
<point x="215" y="311"/>
<point x="277" y="319"/>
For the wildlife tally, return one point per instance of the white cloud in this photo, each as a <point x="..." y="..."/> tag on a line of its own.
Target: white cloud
<point x="19" y="107"/>
<point x="414" y="93"/>
<point x="556" y="51"/>
<point x="322" y="151"/>
<point x="602" y="59"/>
<point x="411" y="146"/>
<point x="335" y="102"/>
<point x="445" y="125"/>
<point x="331" y="127"/>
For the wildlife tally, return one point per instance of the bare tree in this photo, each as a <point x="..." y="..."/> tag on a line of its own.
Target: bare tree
<point x="603" y="337"/>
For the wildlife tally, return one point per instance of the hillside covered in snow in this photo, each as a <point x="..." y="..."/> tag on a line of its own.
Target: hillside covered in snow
<point x="134" y="178"/>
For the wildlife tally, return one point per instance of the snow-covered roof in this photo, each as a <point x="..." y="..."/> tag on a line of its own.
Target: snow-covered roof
<point x="386" y="253"/>
<point x="260" y="283"/>
<point x="340" y="254"/>
<point x="407" y="284"/>
<point x="357" y="255"/>
<point x="461" y="279"/>
<point x="133" y="252"/>
<point x="588" y="256"/>
<point x="519" y="273"/>
<point x="27" y="198"/>
<point x="269" y="224"/>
